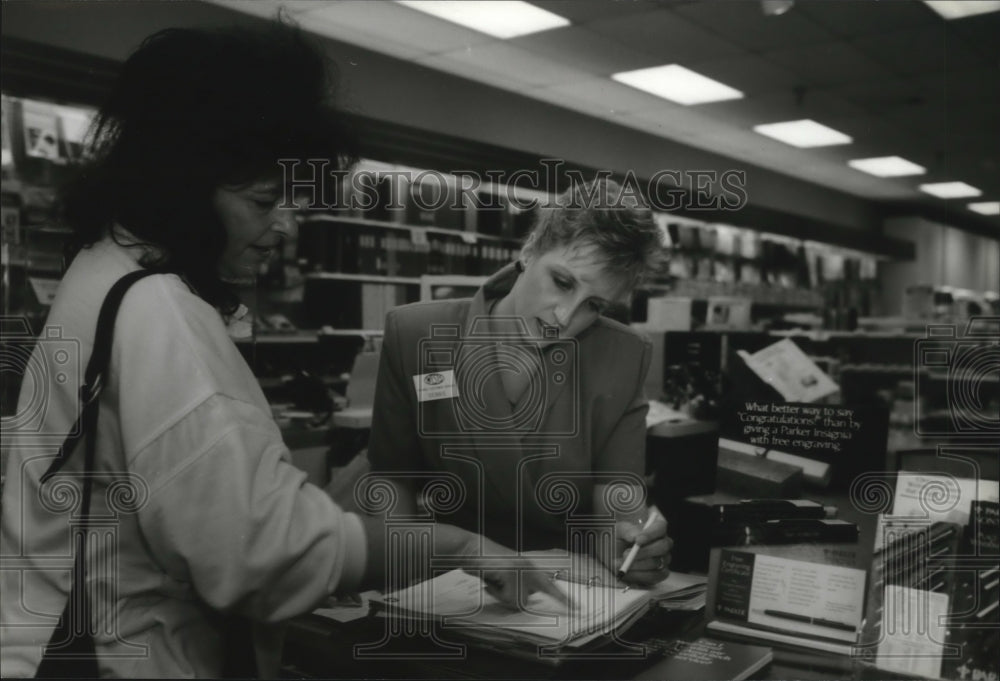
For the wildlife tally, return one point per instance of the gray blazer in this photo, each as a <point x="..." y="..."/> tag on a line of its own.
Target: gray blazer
<point x="515" y="473"/>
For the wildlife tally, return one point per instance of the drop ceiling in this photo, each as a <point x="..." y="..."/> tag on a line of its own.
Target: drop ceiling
<point x="892" y="74"/>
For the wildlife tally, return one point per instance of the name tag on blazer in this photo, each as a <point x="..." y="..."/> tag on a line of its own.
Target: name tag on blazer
<point x="437" y="385"/>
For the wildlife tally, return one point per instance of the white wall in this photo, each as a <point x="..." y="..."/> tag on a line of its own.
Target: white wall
<point x="945" y="256"/>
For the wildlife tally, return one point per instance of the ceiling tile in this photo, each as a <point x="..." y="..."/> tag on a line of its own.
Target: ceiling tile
<point x="885" y="94"/>
<point x="972" y="84"/>
<point x="604" y="95"/>
<point x="783" y="106"/>
<point x="745" y="25"/>
<point x="394" y="28"/>
<point x="582" y="11"/>
<point x="848" y="18"/>
<point x="930" y="122"/>
<point x="919" y="51"/>
<point x="748" y="73"/>
<point x="267" y="9"/>
<point x="891" y="74"/>
<point x="664" y="36"/>
<point x="974" y="142"/>
<point x="873" y="135"/>
<point x="980" y="170"/>
<point x="826" y="64"/>
<point x="980" y="34"/>
<point x="509" y="63"/>
<point x="751" y="111"/>
<point x="976" y="118"/>
<point x="666" y="123"/>
<point x="582" y="48"/>
<point x="462" y="67"/>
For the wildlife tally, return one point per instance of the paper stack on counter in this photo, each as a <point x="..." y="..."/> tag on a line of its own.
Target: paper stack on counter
<point x="659" y="412"/>
<point x="346" y="608"/>
<point x="680" y="591"/>
<point x="458" y="601"/>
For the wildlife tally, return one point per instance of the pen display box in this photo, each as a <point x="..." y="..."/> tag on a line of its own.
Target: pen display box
<point x="933" y="602"/>
<point x="800" y="596"/>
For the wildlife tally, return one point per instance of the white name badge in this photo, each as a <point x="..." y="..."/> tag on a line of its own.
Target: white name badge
<point x="437" y="385"/>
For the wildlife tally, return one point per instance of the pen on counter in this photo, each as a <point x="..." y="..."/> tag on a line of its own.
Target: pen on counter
<point x="630" y="558"/>
<point x="818" y="621"/>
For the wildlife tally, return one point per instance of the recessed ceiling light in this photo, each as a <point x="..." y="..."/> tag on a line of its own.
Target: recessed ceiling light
<point x="804" y="133"/>
<point x="950" y="190"/>
<point x="887" y="166"/>
<point x="775" y="8"/>
<point x="956" y="9"/>
<point x="498" y="18"/>
<point x="678" y="84"/>
<point x="985" y="207"/>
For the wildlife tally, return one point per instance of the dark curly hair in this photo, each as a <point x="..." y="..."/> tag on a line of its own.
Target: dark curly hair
<point x="194" y="110"/>
<point x="602" y="214"/>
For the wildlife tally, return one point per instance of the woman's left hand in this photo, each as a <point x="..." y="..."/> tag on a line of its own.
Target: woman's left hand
<point x="653" y="558"/>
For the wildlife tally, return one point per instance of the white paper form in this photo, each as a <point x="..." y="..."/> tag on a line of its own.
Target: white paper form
<point x="459" y="599"/>
<point x="809" y="598"/>
<point x="913" y="631"/>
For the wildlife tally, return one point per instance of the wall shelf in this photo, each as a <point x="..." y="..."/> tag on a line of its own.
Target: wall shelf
<point x="281" y="338"/>
<point x="373" y="278"/>
<point x="468" y="237"/>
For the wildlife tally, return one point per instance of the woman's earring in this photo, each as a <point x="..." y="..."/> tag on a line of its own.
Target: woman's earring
<point x="519" y="266"/>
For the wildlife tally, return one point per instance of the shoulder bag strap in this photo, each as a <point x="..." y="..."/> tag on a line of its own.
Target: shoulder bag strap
<point x="70" y="652"/>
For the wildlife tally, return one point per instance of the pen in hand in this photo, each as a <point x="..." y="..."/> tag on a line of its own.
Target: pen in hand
<point x="630" y="558"/>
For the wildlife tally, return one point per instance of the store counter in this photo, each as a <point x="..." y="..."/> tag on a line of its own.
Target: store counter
<point x="321" y="648"/>
<point x="318" y="647"/>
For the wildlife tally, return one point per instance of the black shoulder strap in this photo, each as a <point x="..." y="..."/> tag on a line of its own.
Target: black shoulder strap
<point x="93" y="377"/>
<point x="70" y="652"/>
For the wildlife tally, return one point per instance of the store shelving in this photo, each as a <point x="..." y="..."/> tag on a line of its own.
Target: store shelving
<point x="466" y="236"/>
<point x="373" y="278"/>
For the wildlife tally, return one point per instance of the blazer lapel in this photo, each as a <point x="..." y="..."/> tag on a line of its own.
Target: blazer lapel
<point x="486" y="414"/>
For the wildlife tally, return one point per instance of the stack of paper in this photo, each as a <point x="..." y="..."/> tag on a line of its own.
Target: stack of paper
<point x="346" y="608"/>
<point x="459" y="600"/>
<point x="659" y="412"/>
<point x="680" y="591"/>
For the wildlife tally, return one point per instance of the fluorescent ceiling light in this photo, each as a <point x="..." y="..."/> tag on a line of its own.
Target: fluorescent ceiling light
<point x="498" y="18"/>
<point x="950" y="190"/>
<point x="775" y="8"/>
<point x="956" y="9"/>
<point x="678" y="84"/>
<point x="887" y="166"/>
<point x="804" y="133"/>
<point x="985" y="207"/>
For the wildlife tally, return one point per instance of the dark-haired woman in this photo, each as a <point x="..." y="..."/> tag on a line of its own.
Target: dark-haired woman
<point x="215" y="525"/>
<point x="528" y="395"/>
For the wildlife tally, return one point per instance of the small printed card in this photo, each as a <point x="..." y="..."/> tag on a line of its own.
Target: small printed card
<point x="437" y="385"/>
